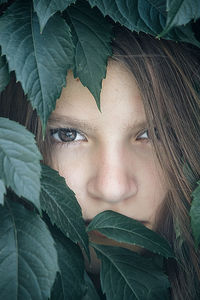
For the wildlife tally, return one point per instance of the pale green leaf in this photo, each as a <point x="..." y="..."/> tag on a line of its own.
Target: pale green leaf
<point x="47" y="8"/>
<point x="126" y="230"/>
<point x="195" y="215"/>
<point x="4" y="73"/>
<point x="127" y="275"/>
<point x="181" y="12"/>
<point x="62" y="207"/>
<point x="40" y="61"/>
<point x="2" y="191"/>
<point x="28" y="258"/>
<point x="92" y="38"/>
<point x="20" y="160"/>
<point x="70" y="281"/>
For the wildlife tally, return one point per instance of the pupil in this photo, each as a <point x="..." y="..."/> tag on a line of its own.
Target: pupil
<point x="67" y="135"/>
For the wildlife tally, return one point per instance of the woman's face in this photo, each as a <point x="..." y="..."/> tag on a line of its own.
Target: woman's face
<point x="106" y="157"/>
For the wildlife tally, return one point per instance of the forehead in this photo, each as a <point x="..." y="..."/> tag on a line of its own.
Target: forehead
<point x="120" y="98"/>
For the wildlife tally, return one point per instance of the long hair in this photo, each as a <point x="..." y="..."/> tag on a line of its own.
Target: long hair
<point x="167" y="75"/>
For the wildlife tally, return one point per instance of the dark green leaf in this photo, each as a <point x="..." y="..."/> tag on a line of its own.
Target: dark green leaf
<point x="127" y="275"/>
<point x="153" y="13"/>
<point x="123" y="11"/>
<point x="92" y="38"/>
<point x="195" y="214"/>
<point x="3" y="1"/>
<point x="40" y="61"/>
<point x="181" y="12"/>
<point x="28" y="258"/>
<point x="148" y="16"/>
<point x="47" y="8"/>
<point x="20" y="160"/>
<point x="2" y="191"/>
<point x="70" y="281"/>
<point x="4" y="73"/>
<point x="62" y="207"/>
<point x="91" y="293"/>
<point x="126" y="230"/>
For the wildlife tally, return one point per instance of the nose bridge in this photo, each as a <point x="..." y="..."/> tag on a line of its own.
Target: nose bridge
<point x="112" y="181"/>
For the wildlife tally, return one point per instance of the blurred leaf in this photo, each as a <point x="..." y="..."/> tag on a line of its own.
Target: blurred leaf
<point x="70" y="281"/>
<point x="92" y="38"/>
<point x="47" y="8"/>
<point x="126" y="230"/>
<point x="61" y="205"/>
<point x="2" y="191"/>
<point x="127" y="275"/>
<point x="28" y="258"/>
<point x="4" y="73"/>
<point x="195" y="215"/>
<point x="20" y="160"/>
<point x="40" y="61"/>
<point x="91" y="293"/>
<point x="181" y="12"/>
<point x="3" y="1"/>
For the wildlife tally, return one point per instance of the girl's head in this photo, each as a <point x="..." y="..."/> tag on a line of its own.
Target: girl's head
<point x="107" y="157"/>
<point x="135" y="156"/>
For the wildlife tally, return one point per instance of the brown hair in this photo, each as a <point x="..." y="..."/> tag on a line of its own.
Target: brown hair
<point x="167" y="77"/>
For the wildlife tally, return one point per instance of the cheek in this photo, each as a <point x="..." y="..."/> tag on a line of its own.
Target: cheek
<point x="71" y="167"/>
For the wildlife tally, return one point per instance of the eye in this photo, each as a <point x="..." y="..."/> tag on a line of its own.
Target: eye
<point x="143" y="136"/>
<point x="66" y="135"/>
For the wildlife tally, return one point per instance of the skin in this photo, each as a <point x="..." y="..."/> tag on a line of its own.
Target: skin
<point x="111" y="164"/>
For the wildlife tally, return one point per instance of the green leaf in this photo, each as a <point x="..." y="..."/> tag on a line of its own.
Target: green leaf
<point x="153" y="13"/>
<point x="20" y="161"/>
<point x="28" y="258"/>
<point x="181" y="12"/>
<point x="195" y="215"/>
<point x="91" y="291"/>
<point x="70" y="281"/>
<point x="126" y="230"/>
<point x="2" y="191"/>
<point x="148" y="16"/>
<point x="62" y="207"/>
<point x="4" y="73"/>
<point x="3" y="1"/>
<point x="123" y="11"/>
<point x="127" y="275"/>
<point x="47" y="8"/>
<point x="92" y="38"/>
<point x="40" y="61"/>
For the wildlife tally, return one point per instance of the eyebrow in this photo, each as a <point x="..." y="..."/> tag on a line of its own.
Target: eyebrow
<point x="61" y="121"/>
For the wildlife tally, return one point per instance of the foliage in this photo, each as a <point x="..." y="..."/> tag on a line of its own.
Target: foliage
<point x="41" y="226"/>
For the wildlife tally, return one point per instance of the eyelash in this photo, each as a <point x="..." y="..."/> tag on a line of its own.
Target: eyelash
<point x="57" y="133"/>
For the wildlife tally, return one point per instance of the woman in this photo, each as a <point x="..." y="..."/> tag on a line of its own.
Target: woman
<point x="135" y="155"/>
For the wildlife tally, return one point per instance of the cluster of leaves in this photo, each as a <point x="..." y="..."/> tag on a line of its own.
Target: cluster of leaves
<point x="41" y="226"/>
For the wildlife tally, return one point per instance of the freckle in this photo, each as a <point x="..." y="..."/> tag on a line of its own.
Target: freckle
<point x="77" y="79"/>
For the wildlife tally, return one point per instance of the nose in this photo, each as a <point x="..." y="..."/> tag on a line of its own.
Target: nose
<point x="113" y="179"/>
